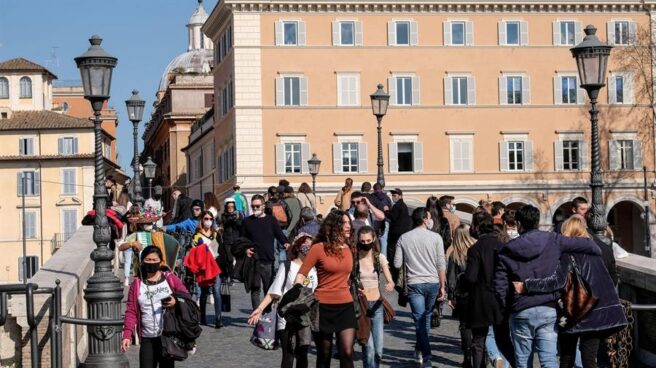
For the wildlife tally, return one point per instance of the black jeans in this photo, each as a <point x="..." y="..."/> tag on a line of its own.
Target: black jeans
<point x="504" y="343"/>
<point x="150" y="354"/>
<point x="263" y="278"/>
<point x="588" y="344"/>
<point x="289" y="343"/>
<point x="478" y="346"/>
<point x="465" y="337"/>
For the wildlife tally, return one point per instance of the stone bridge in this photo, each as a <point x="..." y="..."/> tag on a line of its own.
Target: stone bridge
<point x="230" y="346"/>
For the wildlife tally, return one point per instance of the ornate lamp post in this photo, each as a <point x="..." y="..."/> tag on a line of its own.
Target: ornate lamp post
<point x="379" y="103"/>
<point x="149" y="172"/>
<point x="313" y="165"/>
<point x="103" y="292"/>
<point x="592" y="59"/>
<point x="135" y="107"/>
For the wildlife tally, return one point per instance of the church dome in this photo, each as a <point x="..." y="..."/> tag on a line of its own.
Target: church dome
<point x="194" y="61"/>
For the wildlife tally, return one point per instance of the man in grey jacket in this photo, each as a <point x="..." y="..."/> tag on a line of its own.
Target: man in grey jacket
<point x="422" y="253"/>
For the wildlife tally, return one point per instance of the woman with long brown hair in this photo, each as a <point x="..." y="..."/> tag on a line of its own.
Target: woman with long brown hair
<point x="332" y="256"/>
<point x="343" y="197"/>
<point x="206" y="235"/>
<point x="306" y="196"/>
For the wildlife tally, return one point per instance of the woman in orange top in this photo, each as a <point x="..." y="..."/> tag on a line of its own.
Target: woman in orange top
<point x="332" y="256"/>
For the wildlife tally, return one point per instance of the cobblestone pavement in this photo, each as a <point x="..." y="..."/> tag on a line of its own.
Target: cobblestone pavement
<point x="230" y="346"/>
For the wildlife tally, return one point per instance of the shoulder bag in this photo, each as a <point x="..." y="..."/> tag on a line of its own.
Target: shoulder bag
<point x="577" y="299"/>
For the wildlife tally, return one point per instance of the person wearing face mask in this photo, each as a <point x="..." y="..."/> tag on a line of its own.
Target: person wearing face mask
<point x="283" y="281"/>
<point x="189" y="224"/>
<point x="206" y="237"/>
<point x="421" y="251"/>
<point x="449" y="212"/>
<point x="150" y="292"/>
<point x="155" y="204"/>
<point x="400" y="223"/>
<point x="370" y="264"/>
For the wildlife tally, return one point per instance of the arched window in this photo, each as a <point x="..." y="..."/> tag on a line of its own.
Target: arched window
<point x="4" y="87"/>
<point x="25" y="87"/>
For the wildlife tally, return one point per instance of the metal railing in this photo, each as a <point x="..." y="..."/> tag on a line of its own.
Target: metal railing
<point x="55" y="319"/>
<point x="58" y="241"/>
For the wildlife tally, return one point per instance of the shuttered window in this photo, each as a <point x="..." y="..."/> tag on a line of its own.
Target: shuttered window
<point x="348" y="89"/>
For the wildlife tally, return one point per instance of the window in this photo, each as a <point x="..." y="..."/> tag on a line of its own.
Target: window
<point x="462" y="154"/>
<point x="292" y="91"/>
<point x="32" y="265"/>
<point x="571" y="155"/>
<point x="567" y="33"/>
<point x="622" y="33"/>
<point x="25" y="87"/>
<point x="620" y="88"/>
<point x="459" y="90"/>
<point x="107" y="150"/>
<point x="26" y="146"/>
<point x="402" y="33"/>
<point x="625" y="154"/>
<point x="458" y="33"/>
<point x="30" y="225"/>
<point x="512" y="33"/>
<point x="292" y="158"/>
<point x="32" y="185"/>
<point x="405" y="157"/>
<point x="350" y="157"/>
<point x="4" y="87"/>
<point x="3" y="115"/>
<point x="225" y="100"/>
<point x="68" y="181"/>
<point x="569" y="90"/>
<point x="404" y="91"/>
<point x="67" y="146"/>
<point x="69" y="223"/>
<point x="514" y="90"/>
<point x="65" y="107"/>
<point x="290" y="30"/>
<point x="348" y="89"/>
<point x="347" y="33"/>
<point x="515" y="156"/>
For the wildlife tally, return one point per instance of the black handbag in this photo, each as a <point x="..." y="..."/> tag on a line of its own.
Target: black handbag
<point x="173" y="348"/>
<point x="226" y="304"/>
<point x="402" y="285"/>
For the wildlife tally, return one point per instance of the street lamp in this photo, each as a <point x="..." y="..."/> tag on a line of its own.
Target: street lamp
<point x="104" y="291"/>
<point x="149" y="172"/>
<point x="379" y="103"/>
<point x="592" y="59"/>
<point x="135" y="107"/>
<point x="313" y="165"/>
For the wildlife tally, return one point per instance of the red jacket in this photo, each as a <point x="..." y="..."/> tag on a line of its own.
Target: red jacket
<point x="202" y="263"/>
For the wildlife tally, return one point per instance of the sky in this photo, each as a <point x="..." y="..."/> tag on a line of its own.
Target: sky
<point x="143" y="34"/>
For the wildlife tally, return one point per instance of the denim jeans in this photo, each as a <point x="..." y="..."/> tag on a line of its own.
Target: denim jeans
<point x="372" y="353"/>
<point x="492" y="350"/>
<point x="383" y="239"/>
<point x="127" y="262"/>
<point x="535" y="326"/>
<point x="215" y="290"/>
<point x="422" y="299"/>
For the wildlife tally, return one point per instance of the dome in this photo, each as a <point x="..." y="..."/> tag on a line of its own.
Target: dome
<point x="194" y="61"/>
<point x="199" y="16"/>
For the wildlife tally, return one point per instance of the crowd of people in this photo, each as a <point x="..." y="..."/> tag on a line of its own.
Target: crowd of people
<point x="328" y="275"/>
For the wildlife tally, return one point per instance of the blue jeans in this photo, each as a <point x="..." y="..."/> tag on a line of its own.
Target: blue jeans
<point x="535" y="326"/>
<point x="422" y="299"/>
<point x="492" y="350"/>
<point x="372" y="353"/>
<point x="215" y="290"/>
<point x="127" y="262"/>
<point x="383" y="239"/>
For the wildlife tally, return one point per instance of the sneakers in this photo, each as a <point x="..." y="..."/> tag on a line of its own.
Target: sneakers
<point x="219" y="323"/>
<point x="126" y="282"/>
<point x="419" y="359"/>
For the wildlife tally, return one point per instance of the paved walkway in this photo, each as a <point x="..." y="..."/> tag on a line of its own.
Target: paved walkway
<point x="230" y="346"/>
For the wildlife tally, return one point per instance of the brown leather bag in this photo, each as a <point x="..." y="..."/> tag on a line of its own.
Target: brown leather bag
<point x="577" y="299"/>
<point x="364" y="322"/>
<point x="388" y="311"/>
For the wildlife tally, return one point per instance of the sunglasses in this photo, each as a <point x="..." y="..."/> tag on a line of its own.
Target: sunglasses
<point x="256" y="206"/>
<point x="208" y="218"/>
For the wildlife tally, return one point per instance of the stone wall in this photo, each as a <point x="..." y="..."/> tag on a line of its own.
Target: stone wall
<point x="72" y="266"/>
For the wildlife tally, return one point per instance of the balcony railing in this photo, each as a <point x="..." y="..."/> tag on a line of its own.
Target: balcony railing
<point x="58" y="240"/>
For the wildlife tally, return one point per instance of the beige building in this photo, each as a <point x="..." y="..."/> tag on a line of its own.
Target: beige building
<point x="185" y="94"/>
<point x="484" y="101"/>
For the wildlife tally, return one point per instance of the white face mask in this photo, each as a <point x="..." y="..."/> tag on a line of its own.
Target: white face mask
<point x="207" y="224"/>
<point x="257" y="213"/>
<point x="452" y="209"/>
<point x="429" y="223"/>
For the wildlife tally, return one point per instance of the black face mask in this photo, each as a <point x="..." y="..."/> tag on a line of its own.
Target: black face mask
<point x="147" y="268"/>
<point x="365" y="247"/>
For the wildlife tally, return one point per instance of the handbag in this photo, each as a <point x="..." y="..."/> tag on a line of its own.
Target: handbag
<point x="402" y="285"/>
<point x="264" y="334"/>
<point x="388" y="310"/>
<point x="577" y="299"/>
<point x="225" y="297"/>
<point x="364" y="322"/>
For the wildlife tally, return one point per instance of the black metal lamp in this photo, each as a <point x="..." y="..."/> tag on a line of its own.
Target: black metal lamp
<point x="149" y="168"/>
<point x="379" y="104"/>
<point x="313" y="165"/>
<point x="135" y="106"/>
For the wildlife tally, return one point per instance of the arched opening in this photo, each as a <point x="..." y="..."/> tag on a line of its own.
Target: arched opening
<point x="465" y="207"/>
<point x="561" y="213"/>
<point x="516" y="205"/>
<point x="626" y="219"/>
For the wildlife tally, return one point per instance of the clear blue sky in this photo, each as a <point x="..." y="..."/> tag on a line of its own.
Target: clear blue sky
<point x="143" y="34"/>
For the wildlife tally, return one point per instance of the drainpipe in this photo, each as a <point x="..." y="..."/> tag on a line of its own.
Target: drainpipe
<point x="40" y="202"/>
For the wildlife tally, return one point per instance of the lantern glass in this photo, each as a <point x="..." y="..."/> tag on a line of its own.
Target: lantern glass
<point x="379" y="101"/>
<point x="96" y="67"/>
<point x="135" y="106"/>
<point x="149" y="168"/>
<point x="314" y="164"/>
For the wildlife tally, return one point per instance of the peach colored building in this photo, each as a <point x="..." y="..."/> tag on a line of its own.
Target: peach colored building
<point x="484" y="101"/>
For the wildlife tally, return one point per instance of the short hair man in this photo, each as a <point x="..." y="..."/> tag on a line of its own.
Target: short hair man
<point x="446" y="202"/>
<point x="498" y="208"/>
<point x="580" y="206"/>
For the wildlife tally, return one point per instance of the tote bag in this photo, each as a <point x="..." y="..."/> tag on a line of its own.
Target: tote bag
<point x="264" y="334"/>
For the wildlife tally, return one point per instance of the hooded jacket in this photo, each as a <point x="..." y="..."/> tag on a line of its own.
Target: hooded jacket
<point x="534" y="254"/>
<point x="189" y="225"/>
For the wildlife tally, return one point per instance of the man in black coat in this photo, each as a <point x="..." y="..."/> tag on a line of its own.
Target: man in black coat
<point x="400" y="223"/>
<point x="181" y="207"/>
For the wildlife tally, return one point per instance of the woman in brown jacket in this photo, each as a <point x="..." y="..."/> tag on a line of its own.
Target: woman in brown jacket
<point x="343" y="198"/>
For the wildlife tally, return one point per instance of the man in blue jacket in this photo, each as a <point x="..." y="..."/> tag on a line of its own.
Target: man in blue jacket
<point x="189" y="224"/>
<point x="534" y="254"/>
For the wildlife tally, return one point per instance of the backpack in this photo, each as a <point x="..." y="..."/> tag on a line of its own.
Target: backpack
<point x="278" y="211"/>
<point x="181" y="328"/>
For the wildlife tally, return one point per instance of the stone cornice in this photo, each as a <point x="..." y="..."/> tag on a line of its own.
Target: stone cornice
<point x="438" y="6"/>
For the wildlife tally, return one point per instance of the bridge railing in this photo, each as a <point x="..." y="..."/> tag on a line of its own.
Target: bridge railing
<point x="72" y="266"/>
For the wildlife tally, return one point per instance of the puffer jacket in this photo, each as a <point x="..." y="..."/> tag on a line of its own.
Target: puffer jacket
<point x="607" y="313"/>
<point x="534" y="254"/>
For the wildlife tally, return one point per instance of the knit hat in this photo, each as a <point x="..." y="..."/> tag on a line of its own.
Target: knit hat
<point x="198" y="203"/>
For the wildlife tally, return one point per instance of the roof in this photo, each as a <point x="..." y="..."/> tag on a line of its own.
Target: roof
<point x="199" y="16"/>
<point x="81" y="156"/>
<point x="194" y="61"/>
<point x="43" y="120"/>
<point x="23" y="65"/>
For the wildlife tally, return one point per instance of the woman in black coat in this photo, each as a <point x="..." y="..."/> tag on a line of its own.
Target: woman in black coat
<point x="483" y="310"/>
<point x="605" y="318"/>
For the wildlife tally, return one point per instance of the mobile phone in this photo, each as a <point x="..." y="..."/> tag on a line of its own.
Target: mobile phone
<point x="167" y="299"/>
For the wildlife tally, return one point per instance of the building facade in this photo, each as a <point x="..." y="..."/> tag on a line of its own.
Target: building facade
<point x="185" y="94"/>
<point x="484" y="100"/>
